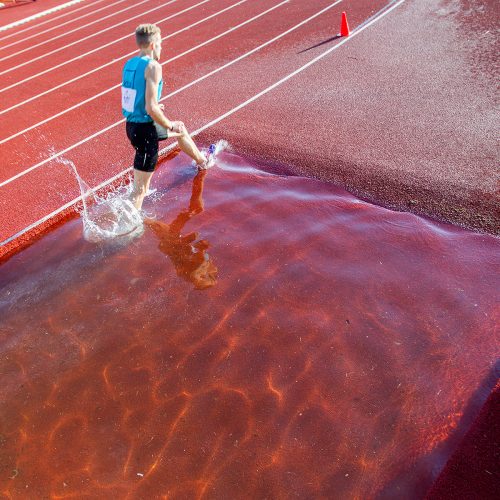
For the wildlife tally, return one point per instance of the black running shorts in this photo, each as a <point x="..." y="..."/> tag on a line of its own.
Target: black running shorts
<point x="144" y="137"/>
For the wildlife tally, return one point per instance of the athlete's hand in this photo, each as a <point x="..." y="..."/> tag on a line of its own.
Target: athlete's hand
<point x="178" y="127"/>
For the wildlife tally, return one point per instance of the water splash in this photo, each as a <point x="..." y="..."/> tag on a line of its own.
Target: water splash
<point x="220" y="146"/>
<point x="108" y="216"/>
<point x="113" y="215"/>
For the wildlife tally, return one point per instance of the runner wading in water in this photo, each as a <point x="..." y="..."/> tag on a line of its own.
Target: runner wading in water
<point x="146" y="123"/>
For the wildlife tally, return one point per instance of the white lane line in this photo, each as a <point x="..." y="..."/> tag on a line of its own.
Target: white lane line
<point x="79" y="77"/>
<point x="40" y="14"/>
<point x="59" y="26"/>
<point x="81" y="56"/>
<point x="92" y="35"/>
<point x="168" y="61"/>
<point x="66" y="33"/>
<point x="37" y="25"/>
<point x="354" y="33"/>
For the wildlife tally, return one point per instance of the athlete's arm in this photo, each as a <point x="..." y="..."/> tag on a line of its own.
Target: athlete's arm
<point x="153" y="77"/>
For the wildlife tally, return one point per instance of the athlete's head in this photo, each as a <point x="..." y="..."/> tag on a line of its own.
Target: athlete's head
<point x="148" y="37"/>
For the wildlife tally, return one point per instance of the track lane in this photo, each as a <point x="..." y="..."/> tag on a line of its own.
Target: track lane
<point x="94" y="48"/>
<point x="87" y="160"/>
<point x="117" y="24"/>
<point x="35" y="47"/>
<point x="38" y="31"/>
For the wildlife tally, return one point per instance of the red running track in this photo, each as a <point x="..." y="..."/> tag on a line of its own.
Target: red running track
<point x="49" y="110"/>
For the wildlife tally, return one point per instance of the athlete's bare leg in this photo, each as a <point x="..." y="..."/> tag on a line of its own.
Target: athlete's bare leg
<point x="189" y="147"/>
<point x="141" y="187"/>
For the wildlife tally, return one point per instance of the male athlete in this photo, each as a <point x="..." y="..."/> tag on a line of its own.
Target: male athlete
<point x="146" y="123"/>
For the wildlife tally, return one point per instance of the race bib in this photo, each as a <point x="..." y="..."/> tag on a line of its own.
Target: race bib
<point x="128" y="99"/>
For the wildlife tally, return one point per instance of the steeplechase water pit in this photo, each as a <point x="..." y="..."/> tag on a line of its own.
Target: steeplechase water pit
<point x="261" y="335"/>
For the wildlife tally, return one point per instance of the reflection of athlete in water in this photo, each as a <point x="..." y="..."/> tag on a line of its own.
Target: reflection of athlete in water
<point x="188" y="254"/>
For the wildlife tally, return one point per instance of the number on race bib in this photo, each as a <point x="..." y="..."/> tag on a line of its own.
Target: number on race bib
<point x="128" y="99"/>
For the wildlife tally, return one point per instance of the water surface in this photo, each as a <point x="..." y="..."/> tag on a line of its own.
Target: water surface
<point x="266" y="336"/>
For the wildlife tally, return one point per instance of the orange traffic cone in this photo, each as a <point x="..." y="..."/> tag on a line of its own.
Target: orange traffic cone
<point x="344" y="26"/>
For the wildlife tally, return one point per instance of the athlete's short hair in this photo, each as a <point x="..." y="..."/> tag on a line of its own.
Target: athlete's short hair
<point x="144" y="34"/>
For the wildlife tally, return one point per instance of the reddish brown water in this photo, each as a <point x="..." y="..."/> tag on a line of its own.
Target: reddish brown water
<point x="266" y="337"/>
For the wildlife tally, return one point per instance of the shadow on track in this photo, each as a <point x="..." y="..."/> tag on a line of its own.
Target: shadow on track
<point x="321" y="43"/>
